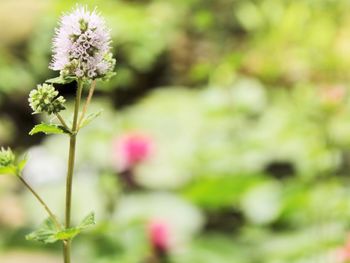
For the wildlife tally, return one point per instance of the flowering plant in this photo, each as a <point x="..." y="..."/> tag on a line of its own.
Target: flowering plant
<point x="82" y="54"/>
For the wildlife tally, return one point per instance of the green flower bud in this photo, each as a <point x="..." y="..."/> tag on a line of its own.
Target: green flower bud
<point x="105" y="69"/>
<point x="70" y="68"/>
<point x="6" y="157"/>
<point x="45" y="99"/>
<point x="110" y="60"/>
<point x="83" y="25"/>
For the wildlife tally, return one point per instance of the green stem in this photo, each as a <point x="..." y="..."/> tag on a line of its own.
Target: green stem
<point x="86" y="105"/>
<point x="59" y="117"/>
<point x="41" y="201"/>
<point x="66" y="250"/>
<point x="71" y="160"/>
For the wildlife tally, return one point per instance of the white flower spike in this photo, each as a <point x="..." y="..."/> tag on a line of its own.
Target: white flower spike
<point x="81" y="45"/>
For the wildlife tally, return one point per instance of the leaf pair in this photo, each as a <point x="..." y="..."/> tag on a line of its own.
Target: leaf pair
<point x="48" y="232"/>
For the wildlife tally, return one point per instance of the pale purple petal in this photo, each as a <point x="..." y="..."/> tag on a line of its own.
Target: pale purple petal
<point x="81" y="43"/>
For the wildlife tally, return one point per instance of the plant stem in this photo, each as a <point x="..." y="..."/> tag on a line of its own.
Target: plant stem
<point x="41" y="201"/>
<point x="66" y="251"/>
<point x="88" y="100"/>
<point x="59" y="117"/>
<point x="71" y="160"/>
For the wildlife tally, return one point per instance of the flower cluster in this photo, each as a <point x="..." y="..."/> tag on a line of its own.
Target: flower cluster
<point x="6" y="157"/>
<point x="82" y="46"/>
<point x="45" y="99"/>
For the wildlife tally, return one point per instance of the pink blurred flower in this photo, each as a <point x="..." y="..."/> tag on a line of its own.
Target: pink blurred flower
<point x="333" y="94"/>
<point x="343" y="254"/>
<point x="159" y="235"/>
<point x="132" y="149"/>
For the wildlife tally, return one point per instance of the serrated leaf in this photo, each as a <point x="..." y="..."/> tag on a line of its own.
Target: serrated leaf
<point x="46" y="233"/>
<point x="90" y="118"/>
<point x="88" y="221"/>
<point x="67" y="234"/>
<point x="48" y="129"/>
<point x="72" y="232"/>
<point x="9" y="170"/>
<point x="61" y="80"/>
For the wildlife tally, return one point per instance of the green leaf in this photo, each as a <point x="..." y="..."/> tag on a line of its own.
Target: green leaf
<point x="72" y="232"/>
<point x="10" y="170"/>
<point x="88" y="221"/>
<point x="67" y="234"/>
<point x="21" y="164"/>
<point x="61" y="80"/>
<point x="220" y="191"/>
<point x="48" y="129"/>
<point x="90" y="118"/>
<point x="46" y="233"/>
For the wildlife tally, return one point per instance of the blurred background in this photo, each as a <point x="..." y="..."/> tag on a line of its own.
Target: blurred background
<point x="224" y="137"/>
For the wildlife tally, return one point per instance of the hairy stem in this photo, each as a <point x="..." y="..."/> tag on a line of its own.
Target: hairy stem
<point x="71" y="160"/>
<point x="88" y="100"/>
<point x="41" y="201"/>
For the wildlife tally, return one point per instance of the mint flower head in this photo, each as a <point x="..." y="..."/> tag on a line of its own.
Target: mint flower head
<point x="81" y="46"/>
<point x="6" y="157"/>
<point x="45" y="99"/>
